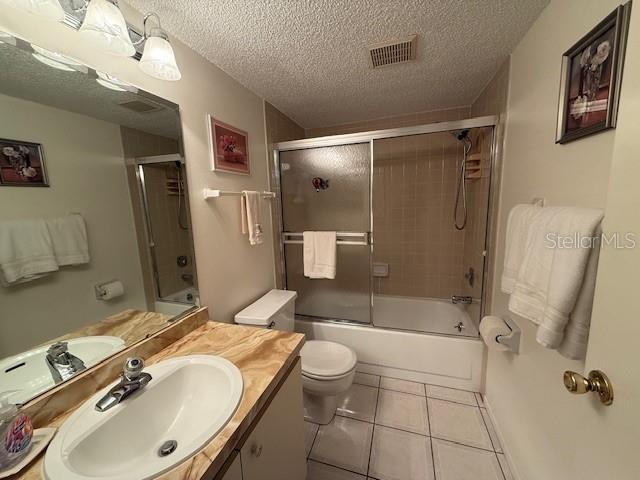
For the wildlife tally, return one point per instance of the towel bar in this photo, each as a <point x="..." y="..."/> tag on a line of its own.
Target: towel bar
<point x="296" y="238"/>
<point x="211" y="193"/>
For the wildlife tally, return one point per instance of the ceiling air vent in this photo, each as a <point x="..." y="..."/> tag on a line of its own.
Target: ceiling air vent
<point x="390" y="53"/>
<point x="141" y="106"/>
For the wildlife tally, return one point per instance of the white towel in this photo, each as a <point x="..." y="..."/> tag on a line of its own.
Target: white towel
<point x="26" y="251"/>
<point x="69" y="238"/>
<point x="518" y="224"/>
<point x="552" y="274"/>
<point x="319" y="254"/>
<point x="251" y="216"/>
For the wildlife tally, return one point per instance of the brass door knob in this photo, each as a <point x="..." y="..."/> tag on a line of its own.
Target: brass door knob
<point x="596" y="382"/>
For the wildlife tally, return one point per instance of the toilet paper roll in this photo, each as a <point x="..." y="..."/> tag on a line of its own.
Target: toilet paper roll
<point x="490" y="328"/>
<point x="110" y="290"/>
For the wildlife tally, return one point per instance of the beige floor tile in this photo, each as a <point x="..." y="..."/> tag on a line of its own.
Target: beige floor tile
<point x="458" y="423"/>
<point x="459" y="462"/>
<point x="492" y="431"/>
<point x="310" y="430"/>
<point x="506" y="470"/>
<point x="345" y="443"/>
<point x="402" y="386"/>
<point x="451" y="394"/>
<point x="398" y="455"/>
<point x="367" y="379"/>
<point x="320" y="471"/>
<point x="358" y="402"/>
<point x="404" y="411"/>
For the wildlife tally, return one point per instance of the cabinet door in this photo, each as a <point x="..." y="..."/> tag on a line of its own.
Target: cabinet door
<point x="234" y="471"/>
<point x="275" y="448"/>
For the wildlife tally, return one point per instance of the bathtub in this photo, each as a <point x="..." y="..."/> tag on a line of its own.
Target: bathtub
<point x="178" y="302"/>
<point x="392" y="348"/>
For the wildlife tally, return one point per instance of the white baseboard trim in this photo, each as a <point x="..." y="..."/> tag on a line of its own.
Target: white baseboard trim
<point x="505" y="446"/>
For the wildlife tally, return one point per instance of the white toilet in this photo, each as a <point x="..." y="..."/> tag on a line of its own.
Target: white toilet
<point x="328" y="368"/>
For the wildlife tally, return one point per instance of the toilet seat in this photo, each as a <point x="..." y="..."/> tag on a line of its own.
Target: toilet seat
<point x="322" y="360"/>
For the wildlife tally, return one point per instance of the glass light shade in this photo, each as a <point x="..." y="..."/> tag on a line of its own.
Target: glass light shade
<point x="159" y="61"/>
<point x="104" y="28"/>
<point x="49" y="9"/>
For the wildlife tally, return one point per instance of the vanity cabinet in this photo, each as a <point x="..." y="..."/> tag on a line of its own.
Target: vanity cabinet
<point x="274" y="447"/>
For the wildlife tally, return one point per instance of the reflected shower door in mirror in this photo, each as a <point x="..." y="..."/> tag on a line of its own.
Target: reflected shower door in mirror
<point x="328" y="189"/>
<point x="430" y="210"/>
<point x="81" y="275"/>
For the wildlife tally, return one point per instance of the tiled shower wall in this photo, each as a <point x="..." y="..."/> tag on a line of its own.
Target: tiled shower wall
<point x="413" y="198"/>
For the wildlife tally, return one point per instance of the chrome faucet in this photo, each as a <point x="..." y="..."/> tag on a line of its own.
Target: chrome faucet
<point x="461" y="299"/>
<point x="62" y="364"/>
<point x="132" y="380"/>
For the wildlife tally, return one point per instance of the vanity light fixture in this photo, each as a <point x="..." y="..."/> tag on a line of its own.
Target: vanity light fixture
<point x="104" y="28"/>
<point x="49" y="9"/>
<point x="56" y="60"/>
<point x="158" y="59"/>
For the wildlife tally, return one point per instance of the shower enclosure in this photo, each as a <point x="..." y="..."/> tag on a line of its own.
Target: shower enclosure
<point x="411" y="210"/>
<point x="164" y="200"/>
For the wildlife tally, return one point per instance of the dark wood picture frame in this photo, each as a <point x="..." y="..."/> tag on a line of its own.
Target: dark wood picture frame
<point x="31" y="160"/>
<point x="615" y="26"/>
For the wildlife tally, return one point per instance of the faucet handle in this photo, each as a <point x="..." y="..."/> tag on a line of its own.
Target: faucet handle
<point x="58" y="348"/>
<point x="133" y="368"/>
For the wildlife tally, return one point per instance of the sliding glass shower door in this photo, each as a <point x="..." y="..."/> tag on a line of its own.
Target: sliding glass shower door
<point x="329" y="189"/>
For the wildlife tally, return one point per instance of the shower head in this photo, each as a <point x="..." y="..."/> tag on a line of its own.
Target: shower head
<point x="460" y="134"/>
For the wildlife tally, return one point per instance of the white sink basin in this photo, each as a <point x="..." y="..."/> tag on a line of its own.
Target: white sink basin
<point x="189" y="400"/>
<point x="28" y="374"/>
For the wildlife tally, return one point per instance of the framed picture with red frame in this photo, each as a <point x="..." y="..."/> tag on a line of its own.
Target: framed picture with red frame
<point x="229" y="148"/>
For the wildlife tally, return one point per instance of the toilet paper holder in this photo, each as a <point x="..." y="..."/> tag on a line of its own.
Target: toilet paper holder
<point x="510" y="340"/>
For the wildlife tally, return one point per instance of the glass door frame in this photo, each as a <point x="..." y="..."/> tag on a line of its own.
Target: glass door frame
<point x="370" y="137"/>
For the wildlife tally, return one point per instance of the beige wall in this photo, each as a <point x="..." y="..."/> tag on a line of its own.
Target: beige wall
<point x="86" y="174"/>
<point x="230" y="272"/>
<point x="279" y="128"/>
<point x="549" y="434"/>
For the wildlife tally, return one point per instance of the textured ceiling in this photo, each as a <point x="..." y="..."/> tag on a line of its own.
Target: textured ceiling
<point x="25" y="77"/>
<point x="309" y="57"/>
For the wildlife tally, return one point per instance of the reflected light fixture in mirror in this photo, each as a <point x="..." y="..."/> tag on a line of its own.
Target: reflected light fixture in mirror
<point x="104" y="28"/>
<point x="49" y="9"/>
<point x="113" y="83"/>
<point x="7" y="38"/>
<point x="158" y="59"/>
<point x="57" y="60"/>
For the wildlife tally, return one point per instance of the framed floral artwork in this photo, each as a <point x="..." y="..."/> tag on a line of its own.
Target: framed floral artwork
<point x="229" y="148"/>
<point x="591" y="78"/>
<point x="22" y="164"/>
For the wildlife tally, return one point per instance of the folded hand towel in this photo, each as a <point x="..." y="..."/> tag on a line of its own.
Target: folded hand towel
<point x="552" y="274"/>
<point x="69" y="237"/>
<point x="26" y="251"/>
<point x="251" y="216"/>
<point x="319" y="254"/>
<point x="518" y="224"/>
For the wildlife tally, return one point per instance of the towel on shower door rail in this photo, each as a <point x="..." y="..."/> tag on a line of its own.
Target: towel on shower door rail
<point x="556" y="280"/>
<point x="251" y="216"/>
<point x="319" y="254"/>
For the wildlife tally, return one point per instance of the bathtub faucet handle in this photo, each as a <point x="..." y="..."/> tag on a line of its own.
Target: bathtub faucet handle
<point x="465" y="300"/>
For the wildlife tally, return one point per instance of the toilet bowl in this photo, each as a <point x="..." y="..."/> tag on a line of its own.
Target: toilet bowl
<point x="328" y="368"/>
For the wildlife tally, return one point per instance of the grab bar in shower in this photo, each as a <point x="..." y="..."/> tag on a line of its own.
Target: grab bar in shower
<point x="343" y="238"/>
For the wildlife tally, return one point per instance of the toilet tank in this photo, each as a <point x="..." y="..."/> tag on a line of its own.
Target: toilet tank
<point x="274" y="310"/>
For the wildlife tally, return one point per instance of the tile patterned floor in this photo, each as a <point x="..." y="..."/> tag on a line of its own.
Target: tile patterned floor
<point x="390" y="429"/>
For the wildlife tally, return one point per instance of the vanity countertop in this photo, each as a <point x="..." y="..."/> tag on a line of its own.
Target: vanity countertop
<point x="263" y="356"/>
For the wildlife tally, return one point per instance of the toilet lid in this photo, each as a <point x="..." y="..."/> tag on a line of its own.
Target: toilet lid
<point x="327" y="359"/>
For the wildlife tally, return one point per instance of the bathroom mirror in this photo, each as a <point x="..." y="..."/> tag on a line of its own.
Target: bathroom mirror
<point x="96" y="251"/>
